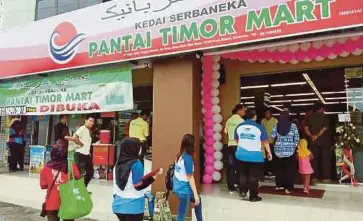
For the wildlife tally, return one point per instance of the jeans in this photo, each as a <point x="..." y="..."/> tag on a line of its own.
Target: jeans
<point x="231" y="172"/>
<point x="184" y="200"/>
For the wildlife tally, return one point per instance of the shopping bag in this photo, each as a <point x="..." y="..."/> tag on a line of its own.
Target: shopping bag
<point x="76" y="202"/>
<point x="162" y="208"/>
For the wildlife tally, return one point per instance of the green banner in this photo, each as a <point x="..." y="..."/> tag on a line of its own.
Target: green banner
<point x="68" y="93"/>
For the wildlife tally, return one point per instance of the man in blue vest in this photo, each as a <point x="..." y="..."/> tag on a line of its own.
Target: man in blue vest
<point x="252" y="142"/>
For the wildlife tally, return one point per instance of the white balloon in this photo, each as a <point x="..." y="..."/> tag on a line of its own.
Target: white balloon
<point x="215" y="92"/>
<point x="204" y="110"/>
<point x="261" y="60"/>
<point x="357" y="52"/>
<point x="294" y="61"/>
<point x="342" y="40"/>
<point x="215" y="83"/>
<point x="216" y="58"/>
<point x="332" y="56"/>
<point x="355" y="38"/>
<point x="217" y="137"/>
<point x="204" y="146"/>
<point x="271" y="61"/>
<point x="218" y="155"/>
<point x="307" y="60"/>
<point x="319" y="58"/>
<point x="271" y="49"/>
<point x="317" y="44"/>
<point x="330" y="43"/>
<point x="282" y="62"/>
<point x="251" y="61"/>
<point x="282" y="48"/>
<point x="216" y="176"/>
<point x="202" y="102"/>
<point x="202" y="92"/>
<point x="344" y="54"/>
<point x="293" y="47"/>
<point x="215" y="100"/>
<point x="215" y="75"/>
<point x="305" y="46"/>
<point x="218" y="165"/>
<point x="217" y="128"/>
<point x="218" y="146"/>
<point x="217" y="118"/>
<point x="215" y="66"/>
<point x="216" y="109"/>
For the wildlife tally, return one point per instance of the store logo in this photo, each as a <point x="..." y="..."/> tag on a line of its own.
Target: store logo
<point x="64" y="43"/>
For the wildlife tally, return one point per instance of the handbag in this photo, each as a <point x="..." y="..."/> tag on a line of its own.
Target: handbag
<point x="43" y="212"/>
<point x="76" y="202"/>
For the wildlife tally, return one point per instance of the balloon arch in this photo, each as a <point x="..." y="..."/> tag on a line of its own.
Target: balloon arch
<point x="290" y="53"/>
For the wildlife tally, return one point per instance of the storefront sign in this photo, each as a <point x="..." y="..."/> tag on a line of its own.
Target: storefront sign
<point x="134" y="29"/>
<point x="78" y="92"/>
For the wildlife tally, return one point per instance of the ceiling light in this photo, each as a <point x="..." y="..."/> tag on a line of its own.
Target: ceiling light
<point x="312" y="85"/>
<point x="335" y="113"/>
<point x="304" y="104"/>
<point x="277" y="95"/>
<point x="277" y="108"/>
<point x="246" y="98"/>
<point x="288" y="84"/>
<point x="302" y="100"/>
<point x="255" y="86"/>
<point x="249" y="103"/>
<point x="343" y="98"/>
<point x="334" y="92"/>
<point x="300" y="94"/>
<point x="252" y="106"/>
<point x="281" y="101"/>
<point x="333" y="103"/>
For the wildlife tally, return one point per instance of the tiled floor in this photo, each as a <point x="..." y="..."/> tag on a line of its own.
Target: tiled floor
<point x="340" y="203"/>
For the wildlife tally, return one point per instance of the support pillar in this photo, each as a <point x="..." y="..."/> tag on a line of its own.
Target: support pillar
<point x="176" y="111"/>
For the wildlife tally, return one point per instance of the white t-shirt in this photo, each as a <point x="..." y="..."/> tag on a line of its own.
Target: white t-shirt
<point x="85" y="137"/>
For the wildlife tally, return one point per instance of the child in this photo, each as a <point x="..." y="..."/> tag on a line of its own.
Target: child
<point x="305" y="169"/>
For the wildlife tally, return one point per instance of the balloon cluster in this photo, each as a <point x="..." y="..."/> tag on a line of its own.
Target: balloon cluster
<point x="212" y="120"/>
<point x="303" y="52"/>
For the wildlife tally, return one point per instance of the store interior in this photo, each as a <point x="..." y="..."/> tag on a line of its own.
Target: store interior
<point x="339" y="88"/>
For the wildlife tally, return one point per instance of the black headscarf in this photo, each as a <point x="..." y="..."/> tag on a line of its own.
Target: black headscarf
<point x="129" y="153"/>
<point x="284" y="124"/>
<point x="58" y="157"/>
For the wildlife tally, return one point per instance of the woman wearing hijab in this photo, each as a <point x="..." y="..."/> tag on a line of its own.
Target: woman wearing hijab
<point x="129" y="197"/>
<point x="16" y="146"/>
<point x="286" y="137"/>
<point x="55" y="173"/>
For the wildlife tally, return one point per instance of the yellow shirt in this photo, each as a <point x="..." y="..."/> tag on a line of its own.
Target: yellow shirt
<point x="139" y="128"/>
<point x="230" y="128"/>
<point x="268" y="125"/>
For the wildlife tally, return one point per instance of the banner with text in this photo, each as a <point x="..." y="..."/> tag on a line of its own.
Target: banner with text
<point x="78" y="92"/>
<point x="122" y="30"/>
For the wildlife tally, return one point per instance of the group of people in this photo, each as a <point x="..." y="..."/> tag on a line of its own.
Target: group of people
<point x="276" y="147"/>
<point x="129" y="179"/>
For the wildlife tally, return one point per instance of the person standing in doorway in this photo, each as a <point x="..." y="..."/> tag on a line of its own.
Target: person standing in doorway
<point x="16" y="146"/>
<point x="61" y="129"/>
<point x="251" y="137"/>
<point x="127" y="125"/>
<point x="318" y="133"/>
<point x="286" y="136"/>
<point x="236" y="119"/>
<point x="268" y="123"/>
<point x="139" y="128"/>
<point x="83" y="140"/>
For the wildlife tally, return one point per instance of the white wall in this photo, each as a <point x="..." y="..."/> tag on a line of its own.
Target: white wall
<point x="16" y="12"/>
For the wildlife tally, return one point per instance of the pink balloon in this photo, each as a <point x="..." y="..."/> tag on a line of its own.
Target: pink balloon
<point x="209" y="123"/>
<point x="337" y="48"/>
<point x="209" y="151"/>
<point x="286" y="56"/>
<point x="324" y="51"/>
<point x="253" y="56"/>
<point x="312" y="53"/>
<point x="207" y="104"/>
<point x="207" y="179"/>
<point x="209" y="160"/>
<point x="209" y="132"/>
<point x="350" y="46"/>
<point x="264" y="55"/>
<point x="209" y="170"/>
<point x="275" y="56"/>
<point x="300" y="55"/>
<point x="209" y="141"/>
